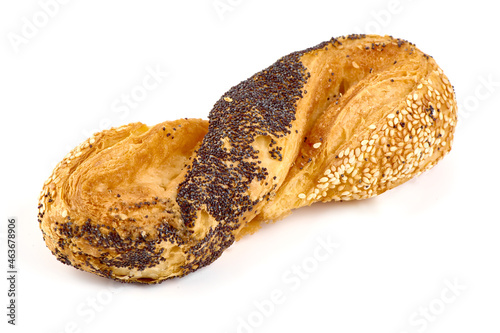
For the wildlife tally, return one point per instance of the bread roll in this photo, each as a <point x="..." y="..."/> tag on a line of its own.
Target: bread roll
<point x="347" y="119"/>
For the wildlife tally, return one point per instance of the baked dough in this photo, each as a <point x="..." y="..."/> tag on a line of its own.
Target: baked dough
<point x="347" y="119"/>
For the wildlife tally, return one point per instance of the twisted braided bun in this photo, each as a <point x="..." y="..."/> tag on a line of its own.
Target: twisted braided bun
<point x="347" y="119"/>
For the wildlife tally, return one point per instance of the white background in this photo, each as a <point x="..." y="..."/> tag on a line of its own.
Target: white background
<point x="399" y="252"/>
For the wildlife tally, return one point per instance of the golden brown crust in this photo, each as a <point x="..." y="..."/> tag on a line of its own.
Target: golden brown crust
<point x="109" y="206"/>
<point x="395" y="119"/>
<point x="347" y="119"/>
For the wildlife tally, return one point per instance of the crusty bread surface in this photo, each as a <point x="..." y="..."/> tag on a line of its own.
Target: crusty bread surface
<point x="347" y="119"/>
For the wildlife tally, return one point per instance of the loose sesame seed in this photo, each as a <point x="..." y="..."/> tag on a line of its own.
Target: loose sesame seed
<point x="316" y="145"/>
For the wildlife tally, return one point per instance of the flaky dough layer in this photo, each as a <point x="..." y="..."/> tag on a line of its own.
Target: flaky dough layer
<point x="345" y="120"/>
